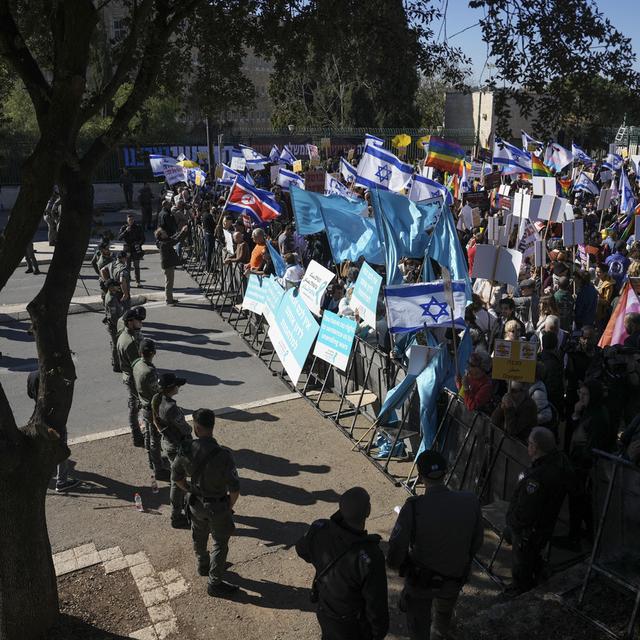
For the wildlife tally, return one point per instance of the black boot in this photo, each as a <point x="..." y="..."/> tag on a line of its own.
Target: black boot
<point x="138" y="438"/>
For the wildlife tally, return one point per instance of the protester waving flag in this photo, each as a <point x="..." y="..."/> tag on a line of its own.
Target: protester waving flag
<point x="286" y="156"/>
<point x="509" y="158"/>
<point x="380" y="169"/>
<point x="411" y="307"/>
<point x="444" y="155"/>
<point x="287" y="178"/>
<point x="246" y="199"/>
<point x="254" y="159"/>
<point x="585" y="183"/>
<point x="424" y="188"/>
<point x="375" y="141"/>
<point x="274" y="155"/>
<point x="347" y="171"/>
<point x="158" y="163"/>
<point x="579" y="154"/>
<point x="533" y="146"/>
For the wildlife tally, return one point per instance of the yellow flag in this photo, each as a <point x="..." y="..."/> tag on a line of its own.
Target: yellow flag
<point x="401" y="140"/>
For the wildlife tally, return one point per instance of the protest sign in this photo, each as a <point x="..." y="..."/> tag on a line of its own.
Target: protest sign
<point x="583" y="256"/>
<point x="292" y="333"/>
<point x="273" y="293"/>
<point x="335" y="339"/>
<point x="228" y="241"/>
<point x="274" y="170"/>
<point x="479" y="199"/>
<point x="238" y="163"/>
<point x="255" y="294"/>
<point x="504" y="190"/>
<point x="492" y="180"/>
<point x="493" y="232"/>
<point x="497" y="263"/>
<point x="514" y="360"/>
<point x="539" y="254"/>
<point x="521" y="202"/>
<point x="364" y="299"/>
<point x="573" y="232"/>
<point x="325" y="143"/>
<point x="174" y="173"/>
<point x="297" y="166"/>
<point x="604" y="199"/>
<point x="314" y="181"/>
<point x="314" y="284"/>
<point x="605" y="176"/>
<point x="553" y="209"/>
<point x="544" y="186"/>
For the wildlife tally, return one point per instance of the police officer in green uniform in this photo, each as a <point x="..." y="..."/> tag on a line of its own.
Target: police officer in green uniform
<point x="141" y="314"/>
<point x="213" y="491"/>
<point x="118" y="271"/>
<point x="350" y="585"/>
<point x="534" y="508"/>
<point x="174" y="429"/>
<point x="101" y="259"/>
<point x="128" y="347"/>
<point x="432" y="544"/>
<point x="145" y="379"/>
<point x="113" y="310"/>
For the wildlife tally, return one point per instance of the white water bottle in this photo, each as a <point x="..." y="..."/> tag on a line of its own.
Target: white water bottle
<point x="138" y="500"/>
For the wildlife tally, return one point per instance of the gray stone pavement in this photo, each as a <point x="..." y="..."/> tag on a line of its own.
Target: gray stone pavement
<point x="192" y="341"/>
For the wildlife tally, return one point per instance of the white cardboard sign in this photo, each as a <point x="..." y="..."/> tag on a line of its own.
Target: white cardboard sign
<point x="497" y="263"/>
<point x="544" y="186"/>
<point x="314" y="283"/>
<point x="573" y="232"/>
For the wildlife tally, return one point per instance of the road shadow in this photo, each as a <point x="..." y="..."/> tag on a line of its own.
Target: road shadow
<point x="204" y="379"/>
<point x="209" y="354"/>
<point x="68" y="627"/>
<point x="246" y="416"/>
<point x="16" y="335"/>
<point x="286" y="493"/>
<point x="195" y="339"/>
<point x="272" y="595"/>
<point x="18" y="364"/>
<point x="271" y="532"/>
<point x="181" y="328"/>
<point x="274" y="465"/>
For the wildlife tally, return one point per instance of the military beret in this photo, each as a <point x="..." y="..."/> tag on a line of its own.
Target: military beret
<point x="147" y="346"/>
<point x="140" y="311"/>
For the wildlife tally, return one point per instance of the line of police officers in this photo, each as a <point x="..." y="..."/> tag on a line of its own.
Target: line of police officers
<point x="432" y="543"/>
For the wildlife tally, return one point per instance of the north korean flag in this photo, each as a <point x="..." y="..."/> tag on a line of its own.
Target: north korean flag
<point x="257" y="203"/>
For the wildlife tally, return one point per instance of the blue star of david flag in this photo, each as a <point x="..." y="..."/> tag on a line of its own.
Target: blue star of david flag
<point x="286" y="156"/>
<point x="613" y="161"/>
<point x="580" y="154"/>
<point x="274" y="155"/>
<point x="415" y="306"/>
<point x="253" y="159"/>
<point x="347" y="171"/>
<point x="585" y="183"/>
<point x="380" y="169"/>
<point x="627" y="200"/>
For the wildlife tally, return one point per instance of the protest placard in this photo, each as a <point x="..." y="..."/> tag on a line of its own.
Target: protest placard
<point x="335" y="339"/>
<point x="228" y="241"/>
<point x="514" y="360"/>
<point x="238" y="163"/>
<point x="297" y="166"/>
<point x="255" y="294"/>
<point x="492" y="180"/>
<point x="292" y="333"/>
<point x="174" y="173"/>
<point x="604" y="199"/>
<point x="544" y="186"/>
<point x="539" y="253"/>
<point x="479" y="199"/>
<point x="493" y="229"/>
<point x="497" y="263"/>
<point x="364" y="299"/>
<point x="521" y="202"/>
<point x="314" y="284"/>
<point x="573" y="232"/>
<point x="273" y="294"/>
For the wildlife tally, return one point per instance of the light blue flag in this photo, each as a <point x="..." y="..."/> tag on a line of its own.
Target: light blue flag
<point x="402" y="226"/>
<point x="394" y="399"/>
<point x="445" y="249"/>
<point x="279" y="265"/>
<point x="307" y="207"/>
<point x="351" y="236"/>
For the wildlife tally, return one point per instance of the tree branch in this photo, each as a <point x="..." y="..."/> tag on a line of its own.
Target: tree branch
<point x="14" y="48"/>
<point x="128" y="60"/>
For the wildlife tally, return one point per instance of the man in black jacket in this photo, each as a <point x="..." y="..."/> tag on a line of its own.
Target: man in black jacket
<point x="432" y="544"/>
<point x="169" y="258"/>
<point x="132" y="236"/>
<point x="350" y="585"/>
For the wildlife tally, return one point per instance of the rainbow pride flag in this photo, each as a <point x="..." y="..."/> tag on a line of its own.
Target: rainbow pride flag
<point x="540" y="170"/>
<point x="444" y="155"/>
<point x="564" y="184"/>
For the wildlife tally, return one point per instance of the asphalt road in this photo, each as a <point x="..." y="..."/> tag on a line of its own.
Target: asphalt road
<point x="192" y="341"/>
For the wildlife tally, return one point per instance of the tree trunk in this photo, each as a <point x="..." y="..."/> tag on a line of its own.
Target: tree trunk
<point x="27" y="579"/>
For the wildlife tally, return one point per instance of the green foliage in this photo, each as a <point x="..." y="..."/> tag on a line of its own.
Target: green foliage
<point x="344" y="63"/>
<point x="430" y="100"/>
<point x="554" y="59"/>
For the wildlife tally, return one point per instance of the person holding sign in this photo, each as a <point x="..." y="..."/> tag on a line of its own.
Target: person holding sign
<point x="517" y="413"/>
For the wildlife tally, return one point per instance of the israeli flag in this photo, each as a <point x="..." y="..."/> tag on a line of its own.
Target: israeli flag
<point x="465" y="186"/>
<point x="585" y="183"/>
<point x="411" y="307"/>
<point x="332" y="186"/>
<point x="274" y="155"/>
<point x="287" y="178"/>
<point x="375" y="141"/>
<point x="613" y="162"/>
<point x="228" y="176"/>
<point x="254" y="159"/>
<point x="424" y="189"/>
<point x="509" y="158"/>
<point x="286" y="156"/>
<point x="627" y="201"/>
<point x="380" y="169"/>
<point x="158" y="163"/>
<point x="347" y="171"/>
<point x="531" y="144"/>
<point x="580" y="155"/>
